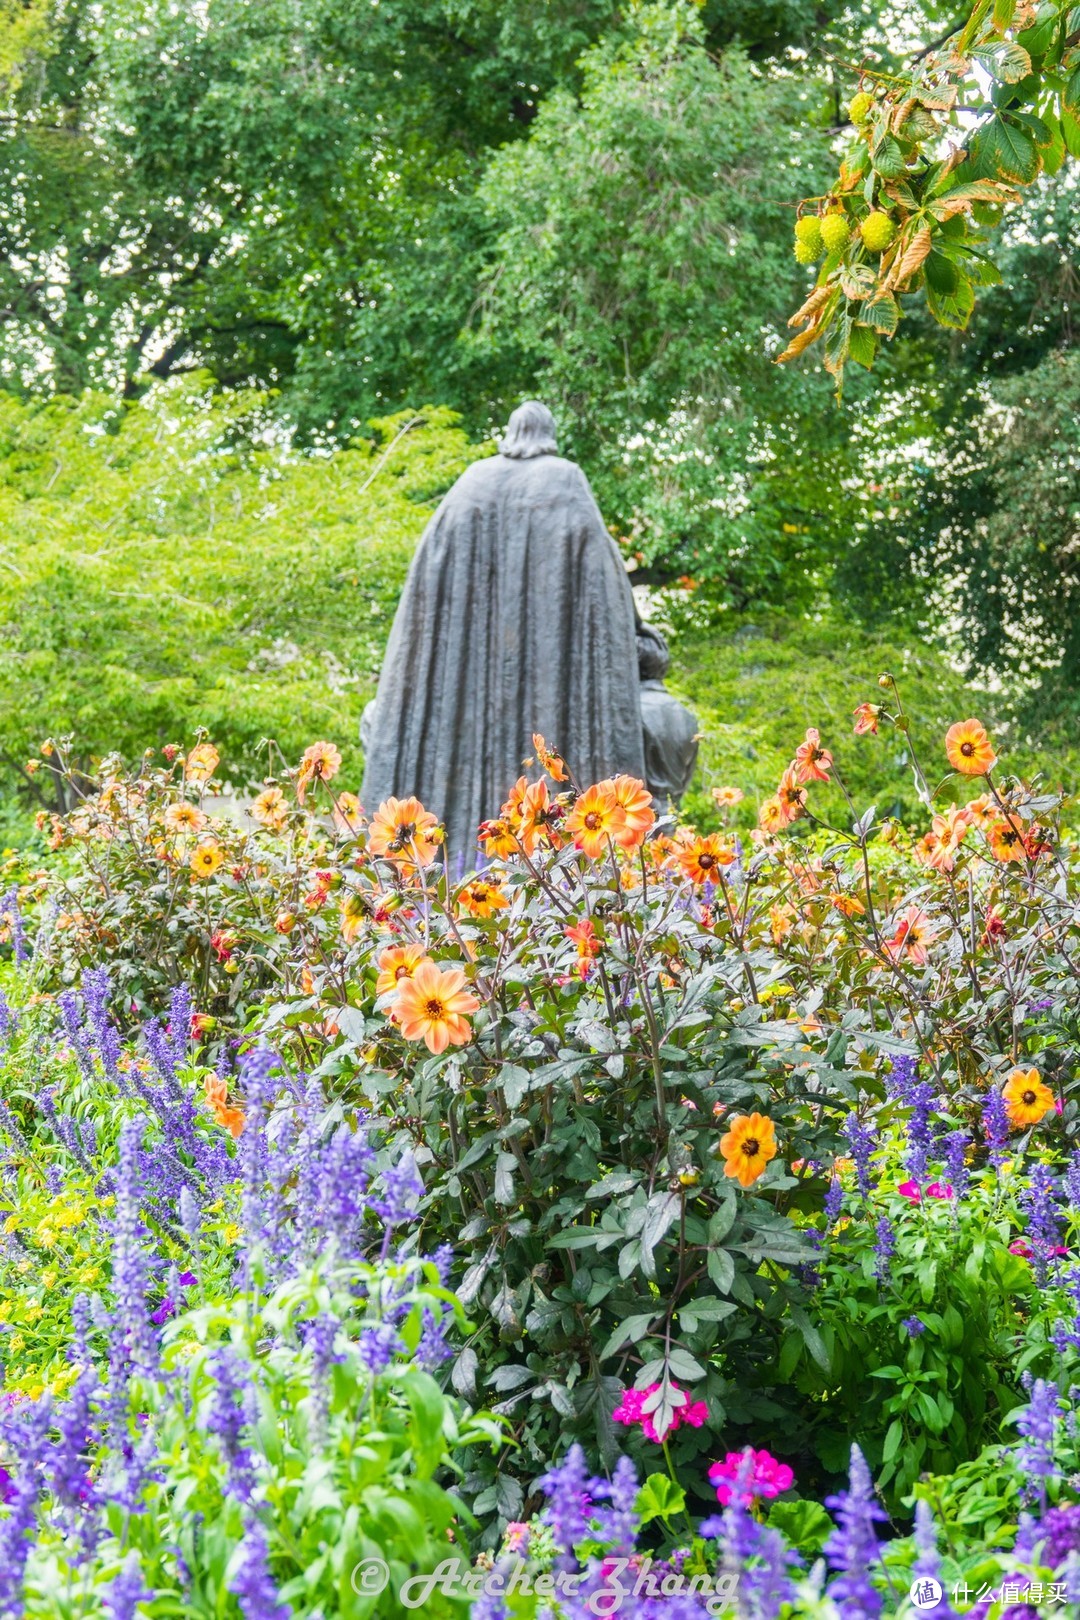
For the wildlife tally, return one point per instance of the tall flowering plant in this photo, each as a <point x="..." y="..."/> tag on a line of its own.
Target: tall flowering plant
<point x="238" y="1410"/>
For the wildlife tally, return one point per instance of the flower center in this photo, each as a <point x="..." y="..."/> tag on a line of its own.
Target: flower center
<point x="967" y="749"/>
<point x="434" y="1008"/>
<point x="706" y="861"/>
<point x="750" y="1147"/>
<point x="592" y="820"/>
<point x="1028" y="1098"/>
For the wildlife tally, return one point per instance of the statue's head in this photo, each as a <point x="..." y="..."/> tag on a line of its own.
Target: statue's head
<point x="529" y="432"/>
<point x="653" y="657"/>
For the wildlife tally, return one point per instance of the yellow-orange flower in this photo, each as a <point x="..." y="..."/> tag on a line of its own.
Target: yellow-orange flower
<point x="848" y="904"/>
<point x="747" y="1147"/>
<point x="1027" y="1098"/>
<point x="982" y="811"/>
<point x="726" y="797"/>
<point x="771" y="816"/>
<point x="202" y="762"/>
<point x="206" y="859"/>
<point x="498" y="838"/>
<point x="553" y="763"/>
<point x="703" y="860"/>
<point x="913" y="934"/>
<point x="347" y="814"/>
<point x="354" y="912"/>
<point x="1006" y="841"/>
<point x="635" y="801"/>
<point x="969" y="748"/>
<point x="406" y="833"/>
<point x="319" y="763"/>
<point x="538" y="818"/>
<point x="433" y="1006"/>
<point x="812" y="762"/>
<point x="595" y="818"/>
<point x="483" y="897"/>
<point x="271" y="808"/>
<point x="939" y="846"/>
<point x="184" y="818"/>
<point x="217" y="1096"/>
<point x="791" y="795"/>
<point x="395" y="963"/>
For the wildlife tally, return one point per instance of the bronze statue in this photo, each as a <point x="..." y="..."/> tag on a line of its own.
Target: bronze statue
<point x="670" y="729"/>
<point x="517" y="617"/>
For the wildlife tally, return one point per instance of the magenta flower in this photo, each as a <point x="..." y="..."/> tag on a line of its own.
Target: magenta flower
<point x="631" y="1410"/>
<point x="936" y="1189"/>
<point x="767" y="1478"/>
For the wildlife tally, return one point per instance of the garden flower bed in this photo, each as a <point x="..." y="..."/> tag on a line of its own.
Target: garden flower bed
<point x="648" y="1220"/>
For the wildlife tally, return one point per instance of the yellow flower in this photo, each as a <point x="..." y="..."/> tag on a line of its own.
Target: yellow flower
<point x="703" y="859"/>
<point x="202" y="762"/>
<point x="206" y="860"/>
<point x="270" y="808"/>
<point x="969" y="748"/>
<point x="747" y="1147"/>
<point x="726" y="797"/>
<point x="1027" y="1098"/>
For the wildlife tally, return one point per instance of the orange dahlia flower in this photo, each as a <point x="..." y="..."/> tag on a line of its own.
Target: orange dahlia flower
<point x="771" y="816"/>
<point x="319" y="763"/>
<point x="913" y="934"/>
<point x="184" y="818"/>
<point x="635" y="801"/>
<point x="498" y="838"/>
<point x="483" y="897"/>
<point x="217" y="1096"/>
<point x="812" y="762"/>
<point x="537" y="818"/>
<point x="202" y="762"/>
<point x="347" y="814"/>
<point x="552" y="762"/>
<point x="271" y="809"/>
<point x="703" y="860"/>
<point x="969" y="748"/>
<point x="433" y="1006"/>
<point x="398" y="962"/>
<point x="791" y="796"/>
<point x="406" y="833"/>
<point x="747" y="1147"/>
<point x="595" y="818"/>
<point x="1006" y="842"/>
<point x="866" y="719"/>
<point x="725" y="798"/>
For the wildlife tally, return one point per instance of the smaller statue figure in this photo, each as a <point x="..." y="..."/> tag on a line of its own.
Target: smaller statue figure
<point x="670" y="729"/>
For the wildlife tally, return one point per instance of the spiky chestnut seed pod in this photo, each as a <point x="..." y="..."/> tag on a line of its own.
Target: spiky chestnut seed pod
<point x="859" y="111"/>
<point x="805" y="254"/>
<point x="835" y="233"/>
<point x="808" y="232"/>
<point x="877" y="231"/>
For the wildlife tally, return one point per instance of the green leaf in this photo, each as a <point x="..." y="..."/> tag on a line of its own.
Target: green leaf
<point x="888" y="158"/>
<point x="805" y="1524"/>
<point x="883" y="314"/>
<point x="659" y="1498"/>
<point x="952" y="309"/>
<point x="863" y="346"/>
<point x="630" y="1330"/>
<point x="1002" y="150"/>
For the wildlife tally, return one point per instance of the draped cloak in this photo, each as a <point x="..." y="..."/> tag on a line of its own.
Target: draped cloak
<point x="517" y="617"/>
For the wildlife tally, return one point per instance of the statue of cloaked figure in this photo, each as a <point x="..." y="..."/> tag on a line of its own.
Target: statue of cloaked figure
<point x="670" y="729"/>
<point x="517" y="617"/>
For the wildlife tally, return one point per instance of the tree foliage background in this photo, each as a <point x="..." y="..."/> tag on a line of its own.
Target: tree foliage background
<point x="341" y="211"/>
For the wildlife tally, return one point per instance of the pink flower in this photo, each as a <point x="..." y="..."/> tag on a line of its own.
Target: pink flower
<point x="631" y="1409"/>
<point x="516" y="1537"/>
<point x="767" y="1478"/>
<point x="1021" y="1247"/>
<point x="936" y="1189"/>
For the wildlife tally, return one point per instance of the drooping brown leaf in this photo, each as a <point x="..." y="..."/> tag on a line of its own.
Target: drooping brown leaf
<point x="910" y="259"/>
<point x="801" y="341"/>
<point x="812" y="305"/>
